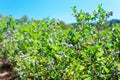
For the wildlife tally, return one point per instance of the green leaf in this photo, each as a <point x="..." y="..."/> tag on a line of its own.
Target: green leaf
<point x="74" y="9"/>
<point x="82" y="67"/>
<point x="106" y="70"/>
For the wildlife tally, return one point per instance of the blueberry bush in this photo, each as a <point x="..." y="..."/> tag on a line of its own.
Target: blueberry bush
<point x="43" y="49"/>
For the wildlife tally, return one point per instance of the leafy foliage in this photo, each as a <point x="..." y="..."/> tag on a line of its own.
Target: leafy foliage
<point x="46" y="50"/>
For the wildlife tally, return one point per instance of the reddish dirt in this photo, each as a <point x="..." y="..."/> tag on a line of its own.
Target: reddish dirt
<point x="6" y="70"/>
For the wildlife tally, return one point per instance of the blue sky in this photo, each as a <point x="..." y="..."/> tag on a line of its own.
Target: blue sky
<point x="40" y="9"/>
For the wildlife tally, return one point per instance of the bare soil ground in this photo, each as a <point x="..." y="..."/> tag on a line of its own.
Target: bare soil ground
<point x="6" y="70"/>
